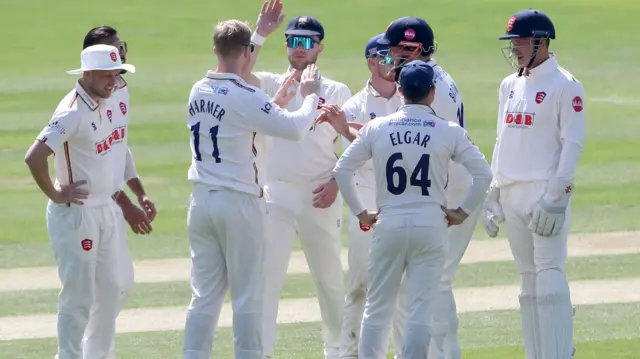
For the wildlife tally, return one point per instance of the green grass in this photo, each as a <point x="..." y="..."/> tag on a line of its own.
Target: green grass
<point x="177" y="293"/>
<point x="170" y="43"/>
<point x="601" y="331"/>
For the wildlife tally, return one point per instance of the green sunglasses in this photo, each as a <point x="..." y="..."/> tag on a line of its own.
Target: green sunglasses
<point x="295" y="41"/>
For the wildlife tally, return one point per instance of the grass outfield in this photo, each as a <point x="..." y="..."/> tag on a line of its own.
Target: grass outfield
<point x="170" y="43"/>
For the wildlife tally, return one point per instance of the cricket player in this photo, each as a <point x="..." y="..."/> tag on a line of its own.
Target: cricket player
<point x="226" y="208"/>
<point x="540" y="134"/>
<point x="412" y="38"/>
<point x="411" y="150"/>
<point x="95" y="343"/>
<point x="379" y="97"/>
<point x="302" y="198"/>
<point x="87" y="134"/>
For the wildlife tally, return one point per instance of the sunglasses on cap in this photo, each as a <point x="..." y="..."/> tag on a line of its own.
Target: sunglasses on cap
<point x="295" y="41"/>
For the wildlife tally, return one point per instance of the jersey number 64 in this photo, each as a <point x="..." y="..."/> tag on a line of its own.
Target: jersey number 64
<point x="419" y="176"/>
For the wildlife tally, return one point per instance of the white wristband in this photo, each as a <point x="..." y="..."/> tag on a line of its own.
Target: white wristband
<point x="258" y="39"/>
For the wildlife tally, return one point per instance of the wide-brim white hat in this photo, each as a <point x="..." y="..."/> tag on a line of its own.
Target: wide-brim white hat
<point x="101" y="58"/>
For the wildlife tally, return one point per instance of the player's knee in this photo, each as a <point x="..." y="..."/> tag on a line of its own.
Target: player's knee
<point x="552" y="284"/>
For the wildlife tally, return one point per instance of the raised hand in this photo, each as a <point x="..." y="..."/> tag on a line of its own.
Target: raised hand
<point x="270" y="17"/>
<point x="283" y="95"/>
<point x="310" y="81"/>
<point x="335" y="116"/>
<point x="71" y="193"/>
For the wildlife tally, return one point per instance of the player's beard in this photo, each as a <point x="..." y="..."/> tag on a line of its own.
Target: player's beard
<point x="300" y="65"/>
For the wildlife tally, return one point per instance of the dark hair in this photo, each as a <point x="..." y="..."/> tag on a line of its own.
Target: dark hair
<point x="98" y="35"/>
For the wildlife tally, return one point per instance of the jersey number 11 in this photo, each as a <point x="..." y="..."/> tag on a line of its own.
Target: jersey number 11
<point x="213" y="132"/>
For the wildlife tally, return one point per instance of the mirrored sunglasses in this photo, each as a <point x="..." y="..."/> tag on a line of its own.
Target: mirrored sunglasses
<point x="295" y="41"/>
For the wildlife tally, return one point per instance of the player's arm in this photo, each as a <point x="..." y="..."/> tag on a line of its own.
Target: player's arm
<point x="269" y="19"/>
<point x="51" y="140"/>
<point x="572" y="119"/>
<point x="500" y="119"/>
<point x="259" y="114"/>
<point x="351" y="160"/>
<point x="468" y="154"/>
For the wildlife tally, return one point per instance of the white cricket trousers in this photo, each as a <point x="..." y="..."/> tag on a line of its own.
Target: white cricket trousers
<point x="94" y="342"/>
<point x="225" y="230"/>
<point x="545" y="301"/>
<point x="444" y="341"/>
<point x="86" y="248"/>
<point x="411" y="244"/>
<point x="360" y="238"/>
<point x="291" y="212"/>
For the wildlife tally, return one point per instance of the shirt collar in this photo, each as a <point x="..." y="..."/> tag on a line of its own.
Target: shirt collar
<point x="544" y="68"/>
<point x="224" y="76"/>
<point x="84" y="96"/>
<point x="412" y="108"/>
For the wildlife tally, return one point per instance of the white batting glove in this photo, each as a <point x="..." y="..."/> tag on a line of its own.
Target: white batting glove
<point x="492" y="214"/>
<point x="548" y="215"/>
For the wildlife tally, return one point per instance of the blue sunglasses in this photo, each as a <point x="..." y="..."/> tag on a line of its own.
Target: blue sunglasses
<point x="295" y="41"/>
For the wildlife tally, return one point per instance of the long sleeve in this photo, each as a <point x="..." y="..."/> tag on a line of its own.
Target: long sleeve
<point x="351" y="160"/>
<point x="572" y="120"/>
<point x="259" y="114"/>
<point x="467" y="154"/>
<point x="130" y="171"/>
<point x="501" y="98"/>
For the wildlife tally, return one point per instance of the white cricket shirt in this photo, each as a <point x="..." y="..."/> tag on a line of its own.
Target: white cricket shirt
<point x="363" y="107"/>
<point x="541" y="125"/>
<point x="312" y="158"/>
<point x="411" y="150"/>
<point x="123" y="160"/>
<point x="224" y="115"/>
<point x="85" y="138"/>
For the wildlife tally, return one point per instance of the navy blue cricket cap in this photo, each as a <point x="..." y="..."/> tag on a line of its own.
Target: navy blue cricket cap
<point x="408" y="29"/>
<point x="529" y="23"/>
<point x="416" y="79"/>
<point x="373" y="46"/>
<point x="304" y="26"/>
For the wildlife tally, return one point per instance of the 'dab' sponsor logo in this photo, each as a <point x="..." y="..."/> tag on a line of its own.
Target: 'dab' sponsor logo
<point x="103" y="146"/>
<point x="577" y="104"/>
<point x="519" y="120"/>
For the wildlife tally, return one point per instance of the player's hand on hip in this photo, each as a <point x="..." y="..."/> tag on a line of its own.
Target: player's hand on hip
<point x="454" y="216"/>
<point x="148" y="206"/>
<point x="136" y="218"/>
<point x="492" y="214"/>
<point x="310" y="81"/>
<point x="285" y="93"/>
<point x="326" y="194"/>
<point x="270" y="17"/>
<point x="70" y="193"/>
<point x="368" y="218"/>
<point x="548" y="214"/>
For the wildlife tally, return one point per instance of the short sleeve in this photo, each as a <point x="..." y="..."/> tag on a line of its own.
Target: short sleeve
<point x="62" y="127"/>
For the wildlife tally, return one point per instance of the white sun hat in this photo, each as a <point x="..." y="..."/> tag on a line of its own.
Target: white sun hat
<point x="101" y="57"/>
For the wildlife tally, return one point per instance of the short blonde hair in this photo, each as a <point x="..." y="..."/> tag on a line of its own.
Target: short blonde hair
<point x="231" y="37"/>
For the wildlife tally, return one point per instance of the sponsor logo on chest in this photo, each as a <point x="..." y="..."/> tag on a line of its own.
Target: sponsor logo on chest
<point x="116" y="136"/>
<point x="519" y="119"/>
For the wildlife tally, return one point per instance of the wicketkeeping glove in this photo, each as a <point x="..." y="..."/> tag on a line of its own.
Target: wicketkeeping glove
<point x="492" y="214"/>
<point x="548" y="214"/>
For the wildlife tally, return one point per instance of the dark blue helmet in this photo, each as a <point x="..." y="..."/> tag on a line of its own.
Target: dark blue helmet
<point x="529" y="23"/>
